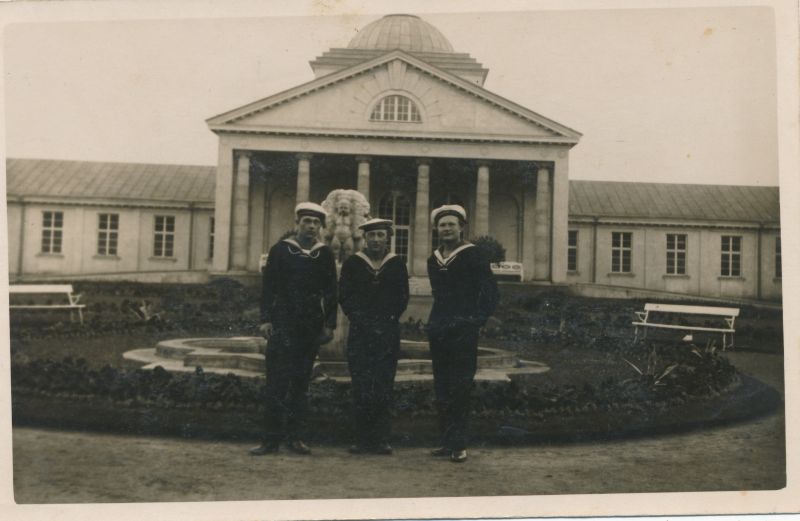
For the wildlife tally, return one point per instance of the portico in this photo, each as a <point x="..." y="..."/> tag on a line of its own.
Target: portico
<point x="409" y="135"/>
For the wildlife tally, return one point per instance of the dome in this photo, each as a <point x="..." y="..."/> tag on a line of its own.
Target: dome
<point x="400" y="31"/>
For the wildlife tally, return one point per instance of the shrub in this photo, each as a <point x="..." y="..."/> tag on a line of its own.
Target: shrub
<point x="491" y="248"/>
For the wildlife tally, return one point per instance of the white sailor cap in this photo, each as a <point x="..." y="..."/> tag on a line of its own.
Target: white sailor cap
<point x="312" y="209"/>
<point x="376" y="224"/>
<point x="448" y="209"/>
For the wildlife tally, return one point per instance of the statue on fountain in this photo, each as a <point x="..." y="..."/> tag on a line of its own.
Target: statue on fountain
<point x="347" y="210"/>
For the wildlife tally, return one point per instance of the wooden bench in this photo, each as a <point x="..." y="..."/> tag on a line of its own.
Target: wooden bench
<point x="645" y="320"/>
<point x="69" y="297"/>
<point x="507" y="269"/>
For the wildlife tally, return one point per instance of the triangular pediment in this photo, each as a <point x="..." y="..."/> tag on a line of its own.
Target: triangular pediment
<point x="341" y="104"/>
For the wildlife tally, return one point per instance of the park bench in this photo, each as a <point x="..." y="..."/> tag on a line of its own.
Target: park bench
<point x="507" y="269"/>
<point x="68" y="298"/>
<point x="645" y="320"/>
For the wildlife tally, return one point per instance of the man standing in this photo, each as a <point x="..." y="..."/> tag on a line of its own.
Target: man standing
<point x="373" y="293"/>
<point x="464" y="296"/>
<point x="298" y="313"/>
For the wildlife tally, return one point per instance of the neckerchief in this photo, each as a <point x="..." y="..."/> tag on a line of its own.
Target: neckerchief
<point x="313" y="253"/>
<point x="442" y="262"/>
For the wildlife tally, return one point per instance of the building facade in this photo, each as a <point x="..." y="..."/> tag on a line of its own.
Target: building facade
<point x="716" y="241"/>
<point x="404" y="119"/>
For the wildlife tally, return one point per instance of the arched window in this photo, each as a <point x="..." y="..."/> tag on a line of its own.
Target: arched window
<point x="395" y="108"/>
<point x="449" y="198"/>
<point x="397" y="207"/>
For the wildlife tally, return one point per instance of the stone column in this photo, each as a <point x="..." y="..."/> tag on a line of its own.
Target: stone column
<point x="241" y="212"/>
<point x="481" y="220"/>
<point x="422" y="219"/>
<point x="303" y="177"/>
<point x="542" y="227"/>
<point x="529" y="222"/>
<point x="222" y="208"/>
<point x="363" y="176"/>
<point x="560" y="217"/>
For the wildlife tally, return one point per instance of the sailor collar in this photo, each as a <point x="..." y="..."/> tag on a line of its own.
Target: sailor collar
<point x="443" y="262"/>
<point x="302" y="251"/>
<point x="363" y="256"/>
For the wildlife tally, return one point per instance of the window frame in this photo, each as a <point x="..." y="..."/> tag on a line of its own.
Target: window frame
<point x="400" y="230"/>
<point x="107" y="234"/>
<point x="730" y="256"/>
<point x="676" y="253"/>
<point x="395" y="108"/>
<point x="572" y="251"/>
<point x="621" y="254"/>
<point x="164" y="238"/>
<point x="52" y="232"/>
<point x="211" y="230"/>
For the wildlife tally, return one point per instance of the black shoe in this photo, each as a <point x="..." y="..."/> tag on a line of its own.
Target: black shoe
<point x="357" y="449"/>
<point x="441" y="452"/>
<point x="298" y="447"/>
<point x="269" y="447"/>
<point x="384" y="449"/>
<point x="458" y="456"/>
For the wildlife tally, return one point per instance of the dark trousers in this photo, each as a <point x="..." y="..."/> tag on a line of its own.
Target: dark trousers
<point x="454" y="353"/>
<point x="290" y="359"/>
<point x="372" y="351"/>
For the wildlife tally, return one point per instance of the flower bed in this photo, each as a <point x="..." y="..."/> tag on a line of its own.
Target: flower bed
<point x="669" y="380"/>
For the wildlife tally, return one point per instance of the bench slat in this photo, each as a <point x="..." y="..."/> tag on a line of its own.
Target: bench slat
<point x="40" y="288"/>
<point x="686" y="328"/>
<point x="47" y="306"/>
<point x="692" y="310"/>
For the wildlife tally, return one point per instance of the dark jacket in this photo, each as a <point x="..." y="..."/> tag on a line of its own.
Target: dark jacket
<point x="366" y="294"/>
<point x="299" y="287"/>
<point x="464" y="289"/>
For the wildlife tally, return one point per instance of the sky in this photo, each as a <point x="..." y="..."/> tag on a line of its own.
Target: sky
<point x="662" y="95"/>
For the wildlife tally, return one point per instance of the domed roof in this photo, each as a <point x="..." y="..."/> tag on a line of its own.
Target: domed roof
<point x="400" y="31"/>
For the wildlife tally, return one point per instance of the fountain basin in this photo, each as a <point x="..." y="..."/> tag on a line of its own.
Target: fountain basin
<point x="244" y="356"/>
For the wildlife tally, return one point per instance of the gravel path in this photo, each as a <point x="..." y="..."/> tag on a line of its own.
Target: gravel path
<point x="75" y="467"/>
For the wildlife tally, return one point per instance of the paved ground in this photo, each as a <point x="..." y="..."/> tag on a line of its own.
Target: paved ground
<point x="75" y="467"/>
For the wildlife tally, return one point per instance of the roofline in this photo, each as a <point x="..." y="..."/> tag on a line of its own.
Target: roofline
<point x="101" y="162"/>
<point x="368" y="134"/>
<point x="667" y="222"/>
<point x="108" y="201"/>
<point x="595" y="181"/>
<point x="306" y="88"/>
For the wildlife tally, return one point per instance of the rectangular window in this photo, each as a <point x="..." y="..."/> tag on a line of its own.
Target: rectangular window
<point x="211" y="238"/>
<point x="676" y="254"/>
<point x="107" y="233"/>
<point x="621" y="252"/>
<point x="572" y="250"/>
<point x="731" y="258"/>
<point x="164" y="236"/>
<point x="778" y="263"/>
<point x="52" y="231"/>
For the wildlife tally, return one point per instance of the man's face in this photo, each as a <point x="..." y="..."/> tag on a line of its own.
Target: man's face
<point x="377" y="240"/>
<point x="449" y="228"/>
<point x="308" y="226"/>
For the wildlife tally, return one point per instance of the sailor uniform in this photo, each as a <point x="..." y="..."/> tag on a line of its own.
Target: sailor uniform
<point x="299" y="299"/>
<point x="464" y="296"/>
<point x="373" y="295"/>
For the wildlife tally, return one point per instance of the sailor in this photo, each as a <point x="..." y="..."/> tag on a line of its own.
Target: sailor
<point x="298" y="313"/>
<point x="373" y="293"/>
<point x="464" y="296"/>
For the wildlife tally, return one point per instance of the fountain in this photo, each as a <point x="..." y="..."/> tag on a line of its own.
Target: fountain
<point x="244" y="355"/>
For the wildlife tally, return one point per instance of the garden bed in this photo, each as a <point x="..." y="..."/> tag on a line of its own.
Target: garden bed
<point x="599" y="383"/>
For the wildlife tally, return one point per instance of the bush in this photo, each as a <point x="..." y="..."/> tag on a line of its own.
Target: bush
<point x="491" y="248"/>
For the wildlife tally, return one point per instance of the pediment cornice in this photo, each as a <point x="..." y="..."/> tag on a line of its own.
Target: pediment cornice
<point x="232" y="121"/>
